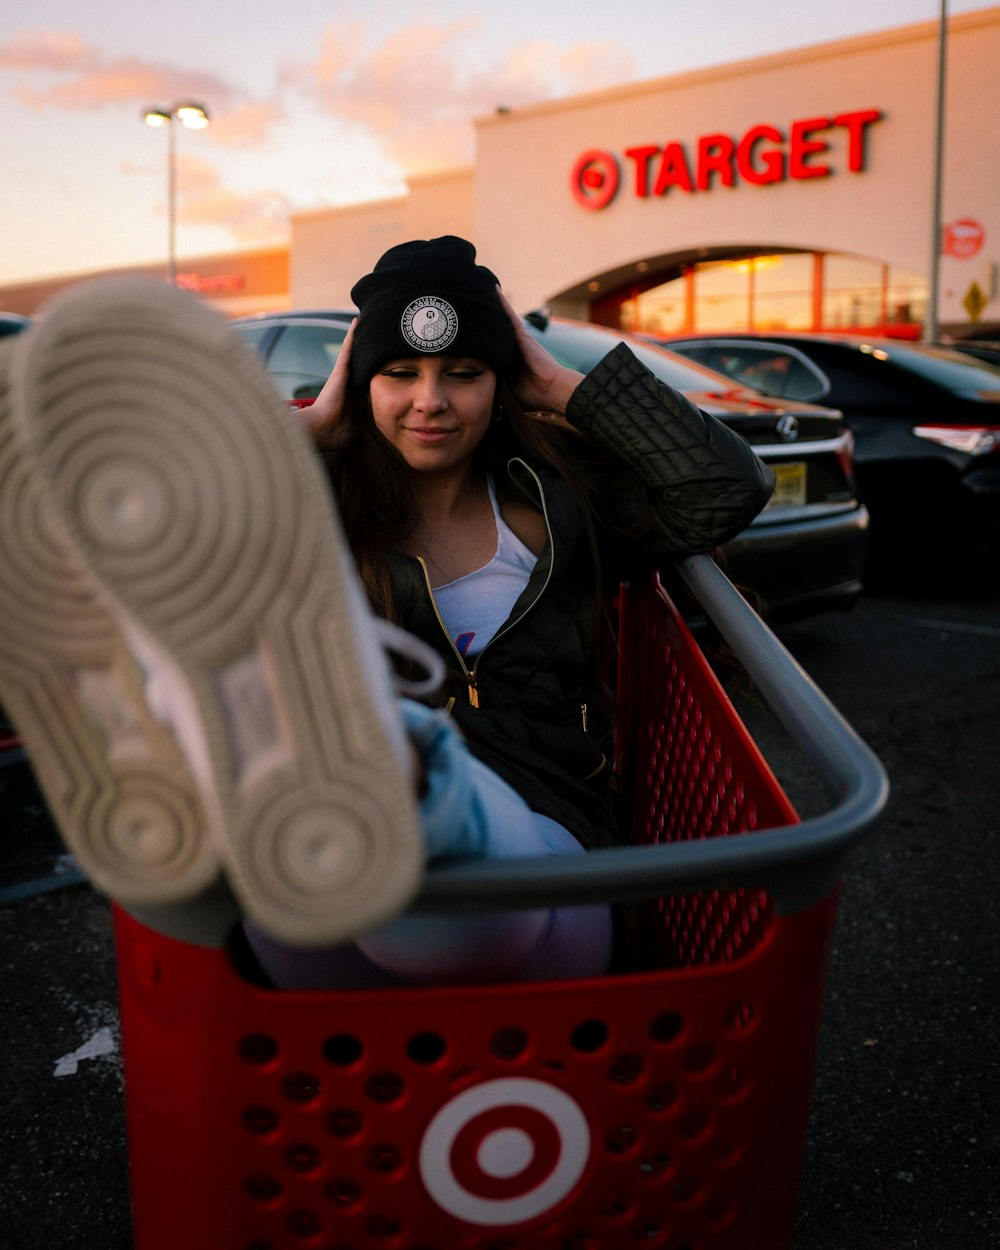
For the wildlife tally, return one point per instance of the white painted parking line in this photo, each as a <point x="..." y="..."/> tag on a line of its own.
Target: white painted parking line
<point x="101" y="1043"/>
<point x="952" y="627"/>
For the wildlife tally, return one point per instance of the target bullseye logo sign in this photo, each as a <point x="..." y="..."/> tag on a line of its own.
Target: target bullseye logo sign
<point x="594" y="180"/>
<point x="505" y="1151"/>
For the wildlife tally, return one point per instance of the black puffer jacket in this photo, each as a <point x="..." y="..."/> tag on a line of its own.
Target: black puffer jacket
<point x="532" y="706"/>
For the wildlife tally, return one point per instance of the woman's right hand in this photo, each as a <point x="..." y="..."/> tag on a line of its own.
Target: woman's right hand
<point x="324" y="419"/>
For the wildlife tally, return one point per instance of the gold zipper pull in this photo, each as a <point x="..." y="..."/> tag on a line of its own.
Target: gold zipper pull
<point x="473" y="692"/>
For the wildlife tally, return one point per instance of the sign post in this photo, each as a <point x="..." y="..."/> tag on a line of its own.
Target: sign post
<point x="931" y="324"/>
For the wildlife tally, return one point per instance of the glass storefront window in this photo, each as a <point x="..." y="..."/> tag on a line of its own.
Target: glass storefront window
<point x="777" y="292"/>
<point x="852" y="292"/>
<point x="721" y="294"/>
<point x="661" y="310"/>
<point x="905" y="296"/>
<point x="782" y="292"/>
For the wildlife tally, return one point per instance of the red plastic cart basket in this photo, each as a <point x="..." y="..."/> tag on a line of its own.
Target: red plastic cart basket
<point x="665" y="1107"/>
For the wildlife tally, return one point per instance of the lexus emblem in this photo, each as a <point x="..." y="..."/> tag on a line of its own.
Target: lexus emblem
<point x="788" y="428"/>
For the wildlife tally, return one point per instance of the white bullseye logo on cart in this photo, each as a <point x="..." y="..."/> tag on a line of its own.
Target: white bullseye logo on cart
<point x="505" y="1151"/>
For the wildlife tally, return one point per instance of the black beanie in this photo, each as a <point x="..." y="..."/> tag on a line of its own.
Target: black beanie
<point x="430" y="297"/>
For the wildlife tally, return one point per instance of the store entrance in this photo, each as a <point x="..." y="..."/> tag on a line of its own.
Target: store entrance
<point x="767" y="290"/>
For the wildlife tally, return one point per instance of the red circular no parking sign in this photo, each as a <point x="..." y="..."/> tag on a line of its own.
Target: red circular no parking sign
<point x="962" y="237"/>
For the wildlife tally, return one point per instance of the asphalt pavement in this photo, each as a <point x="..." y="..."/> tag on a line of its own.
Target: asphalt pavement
<point x="903" y="1144"/>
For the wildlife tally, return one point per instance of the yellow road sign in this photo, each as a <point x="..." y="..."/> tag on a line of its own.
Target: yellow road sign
<point x="975" y="301"/>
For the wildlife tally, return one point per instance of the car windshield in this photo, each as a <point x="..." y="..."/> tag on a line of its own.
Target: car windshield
<point x="583" y="346"/>
<point x="941" y="365"/>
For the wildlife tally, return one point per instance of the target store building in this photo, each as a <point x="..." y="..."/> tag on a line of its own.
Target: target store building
<point x="792" y="191"/>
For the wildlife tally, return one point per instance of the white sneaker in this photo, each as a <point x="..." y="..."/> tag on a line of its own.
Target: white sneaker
<point x="114" y="779"/>
<point x="195" y="500"/>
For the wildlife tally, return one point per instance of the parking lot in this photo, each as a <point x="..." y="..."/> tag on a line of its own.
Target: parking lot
<point x="903" y="1144"/>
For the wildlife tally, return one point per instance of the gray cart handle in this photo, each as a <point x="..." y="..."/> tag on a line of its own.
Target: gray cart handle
<point x="797" y="864"/>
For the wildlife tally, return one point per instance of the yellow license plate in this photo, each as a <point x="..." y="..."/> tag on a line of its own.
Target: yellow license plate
<point x="790" y="487"/>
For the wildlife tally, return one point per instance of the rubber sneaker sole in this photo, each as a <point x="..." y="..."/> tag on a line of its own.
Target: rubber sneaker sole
<point x="198" y="503"/>
<point x="114" y="780"/>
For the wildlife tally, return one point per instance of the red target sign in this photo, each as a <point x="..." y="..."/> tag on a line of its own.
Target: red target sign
<point x="505" y="1151"/>
<point x="594" y="180"/>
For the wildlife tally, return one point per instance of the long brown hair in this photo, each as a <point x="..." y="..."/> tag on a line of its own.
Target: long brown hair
<point x="374" y="488"/>
<point x="374" y="485"/>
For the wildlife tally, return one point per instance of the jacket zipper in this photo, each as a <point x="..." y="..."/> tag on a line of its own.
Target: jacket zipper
<point x="469" y="677"/>
<point x="470" y="674"/>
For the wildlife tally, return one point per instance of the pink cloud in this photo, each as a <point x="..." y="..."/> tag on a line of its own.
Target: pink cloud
<point x="82" y="77"/>
<point x="123" y="81"/>
<point x="417" y="96"/>
<point x="258" y="218"/>
<point x="204" y="200"/>
<point x="246" y="125"/>
<point x="542" y="67"/>
<point x="45" y="50"/>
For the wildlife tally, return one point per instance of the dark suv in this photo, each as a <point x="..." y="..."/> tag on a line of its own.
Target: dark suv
<point x="805" y="552"/>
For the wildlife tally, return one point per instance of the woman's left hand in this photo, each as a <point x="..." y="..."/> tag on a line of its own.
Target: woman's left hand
<point x="545" y="385"/>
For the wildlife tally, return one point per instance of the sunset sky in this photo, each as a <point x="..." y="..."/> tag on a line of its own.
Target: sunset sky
<point x="314" y="104"/>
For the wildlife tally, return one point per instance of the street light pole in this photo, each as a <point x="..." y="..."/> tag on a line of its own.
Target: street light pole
<point x="194" y="117"/>
<point x="171" y="206"/>
<point x="931" y="326"/>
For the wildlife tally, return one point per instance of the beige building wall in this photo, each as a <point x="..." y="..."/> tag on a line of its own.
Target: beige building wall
<point x="235" y="283"/>
<point x="525" y="161"/>
<point x="332" y="248"/>
<point x="517" y="204"/>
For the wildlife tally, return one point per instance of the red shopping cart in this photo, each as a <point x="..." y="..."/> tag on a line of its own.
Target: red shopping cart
<point x="665" y="1106"/>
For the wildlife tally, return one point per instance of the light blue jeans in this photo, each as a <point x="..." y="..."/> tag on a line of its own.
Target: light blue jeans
<point x="466" y="810"/>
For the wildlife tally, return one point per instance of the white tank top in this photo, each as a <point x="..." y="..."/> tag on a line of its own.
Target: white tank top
<point x="475" y="606"/>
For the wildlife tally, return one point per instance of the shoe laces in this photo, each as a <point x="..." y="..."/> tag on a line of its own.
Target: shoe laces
<point x="397" y="641"/>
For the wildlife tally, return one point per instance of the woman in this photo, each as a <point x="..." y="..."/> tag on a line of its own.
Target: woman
<point x="460" y="507"/>
<point x="491" y="534"/>
<point x="193" y="527"/>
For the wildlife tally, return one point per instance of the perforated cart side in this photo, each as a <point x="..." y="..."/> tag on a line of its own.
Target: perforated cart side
<point x="664" y="1107"/>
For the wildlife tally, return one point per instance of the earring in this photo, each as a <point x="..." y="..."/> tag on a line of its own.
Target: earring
<point x="498" y="415"/>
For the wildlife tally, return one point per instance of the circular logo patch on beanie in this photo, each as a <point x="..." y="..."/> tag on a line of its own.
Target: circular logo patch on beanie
<point x="429" y="324"/>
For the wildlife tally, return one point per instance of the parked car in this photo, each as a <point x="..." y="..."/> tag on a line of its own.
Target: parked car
<point x="926" y="420"/>
<point x="804" y="553"/>
<point x="299" y="349"/>
<point x="982" y="349"/>
<point x="12" y="323"/>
